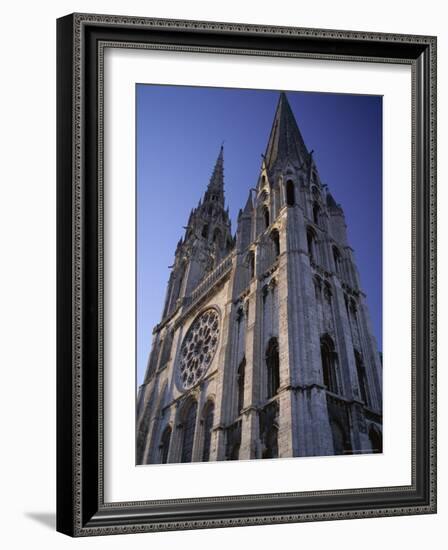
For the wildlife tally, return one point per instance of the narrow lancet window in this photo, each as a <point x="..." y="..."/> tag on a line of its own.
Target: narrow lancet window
<point x="165" y="445"/>
<point x="276" y="242"/>
<point x="317" y="287"/>
<point x="188" y="429"/>
<point x="337" y="260"/>
<point x="361" y="371"/>
<point x="316" y="213"/>
<point x="290" y="195"/>
<point x="329" y="364"/>
<point x="208" y="426"/>
<point x="311" y="241"/>
<point x="240" y="384"/>
<point x="251" y="262"/>
<point x="272" y="367"/>
<point x="266" y="217"/>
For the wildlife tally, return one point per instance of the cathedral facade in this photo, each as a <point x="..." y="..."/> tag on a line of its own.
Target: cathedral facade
<point x="265" y="347"/>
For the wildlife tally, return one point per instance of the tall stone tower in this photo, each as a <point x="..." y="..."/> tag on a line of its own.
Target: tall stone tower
<point x="265" y="347"/>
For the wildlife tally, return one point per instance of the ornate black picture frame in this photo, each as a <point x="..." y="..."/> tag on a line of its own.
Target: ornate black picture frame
<point x="81" y="508"/>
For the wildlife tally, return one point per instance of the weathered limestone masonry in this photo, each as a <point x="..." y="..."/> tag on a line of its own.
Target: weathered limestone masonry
<point x="265" y="347"/>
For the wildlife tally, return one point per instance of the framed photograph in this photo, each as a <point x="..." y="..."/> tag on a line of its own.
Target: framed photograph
<point x="246" y="274"/>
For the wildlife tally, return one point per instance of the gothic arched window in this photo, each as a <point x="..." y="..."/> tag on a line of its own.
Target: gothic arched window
<point x="362" y="379"/>
<point x="251" y="264"/>
<point x="316" y="212"/>
<point x="376" y="439"/>
<point x="266" y="217"/>
<point x="272" y="367"/>
<point x="205" y="231"/>
<point x="188" y="429"/>
<point x="329" y="364"/>
<point x="276" y="242"/>
<point x="165" y="445"/>
<point x="209" y="412"/>
<point x="290" y="195"/>
<point x="311" y="241"/>
<point x="337" y="260"/>
<point x="240" y="384"/>
<point x="317" y="287"/>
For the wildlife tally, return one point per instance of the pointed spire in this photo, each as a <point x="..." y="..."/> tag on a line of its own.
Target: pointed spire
<point x="211" y="208"/>
<point x="216" y="184"/>
<point x="285" y="141"/>
<point x="249" y="205"/>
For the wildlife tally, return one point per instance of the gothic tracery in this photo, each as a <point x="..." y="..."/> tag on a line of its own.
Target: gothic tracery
<point x="199" y="347"/>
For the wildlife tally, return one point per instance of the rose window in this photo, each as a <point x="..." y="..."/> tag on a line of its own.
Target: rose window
<point x="199" y="347"/>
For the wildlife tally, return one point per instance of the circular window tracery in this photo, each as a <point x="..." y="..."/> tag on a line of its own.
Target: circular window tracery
<point x="199" y="347"/>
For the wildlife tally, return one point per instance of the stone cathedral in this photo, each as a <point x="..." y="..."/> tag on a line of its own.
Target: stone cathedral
<point x="265" y="347"/>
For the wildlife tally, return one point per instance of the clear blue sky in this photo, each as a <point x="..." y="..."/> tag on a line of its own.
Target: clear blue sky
<point x="179" y="133"/>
